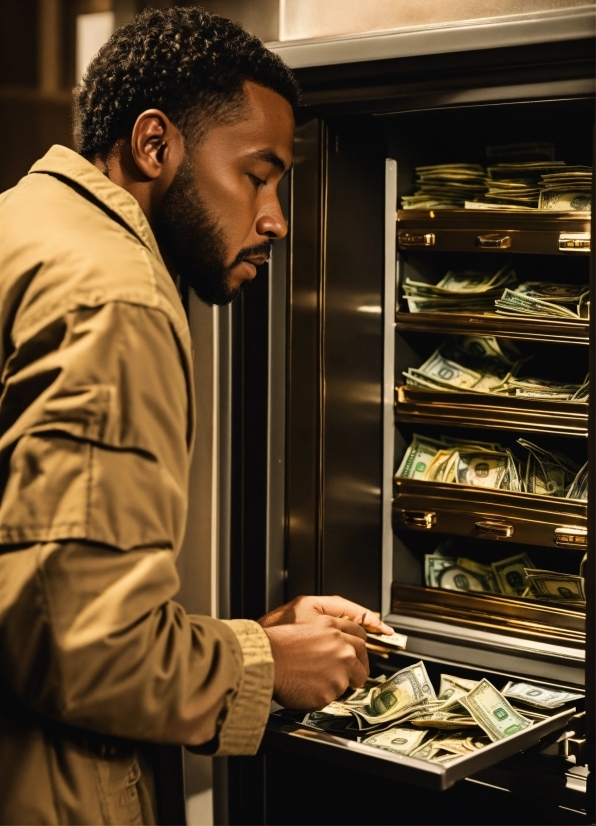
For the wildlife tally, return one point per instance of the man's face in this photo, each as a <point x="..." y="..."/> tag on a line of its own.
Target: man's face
<point x="221" y="213"/>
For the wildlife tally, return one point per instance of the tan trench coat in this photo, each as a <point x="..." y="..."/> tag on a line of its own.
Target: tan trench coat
<point x="97" y="661"/>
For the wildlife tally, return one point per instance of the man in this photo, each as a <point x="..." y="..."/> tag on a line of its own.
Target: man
<point x="184" y="126"/>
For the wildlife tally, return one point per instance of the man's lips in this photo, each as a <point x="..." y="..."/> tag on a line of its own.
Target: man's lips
<point x="249" y="265"/>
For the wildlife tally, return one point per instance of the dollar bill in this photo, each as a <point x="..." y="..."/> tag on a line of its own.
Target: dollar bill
<point x="547" y="473"/>
<point x="459" y="291"/>
<point x="481" y="469"/>
<point x="544" y="299"/>
<point x="557" y="587"/>
<point x="406" y="688"/>
<point x="418" y="457"/>
<point x="445" y="720"/>
<point x="396" y="740"/>
<point x="511" y="574"/>
<point x="579" y="487"/>
<point x="395" y="640"/>
<point x="567" y="200"/>
<point x="451" y="688"/>
<point x="493" y="713"/>
<point x="433" y="565"/>
<point x="535" y="695"/>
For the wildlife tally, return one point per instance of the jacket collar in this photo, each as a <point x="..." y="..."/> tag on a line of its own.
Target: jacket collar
<point x="60" y="160"/>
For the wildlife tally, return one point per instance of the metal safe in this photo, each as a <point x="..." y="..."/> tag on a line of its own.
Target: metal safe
<point x="325" y="417"/>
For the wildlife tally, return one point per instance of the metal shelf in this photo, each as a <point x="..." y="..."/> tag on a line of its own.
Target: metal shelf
<point x="468" y="324"/>
<point x="417" y="405"/>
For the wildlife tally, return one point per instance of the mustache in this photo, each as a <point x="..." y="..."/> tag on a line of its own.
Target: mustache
<point x="247" y="252"/>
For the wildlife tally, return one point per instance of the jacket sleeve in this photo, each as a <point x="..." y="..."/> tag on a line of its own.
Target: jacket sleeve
<point x="96" y="430"/>
<point x="91" y="637"/>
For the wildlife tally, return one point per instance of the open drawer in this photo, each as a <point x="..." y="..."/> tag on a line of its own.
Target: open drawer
<point x="489" y="514"/>
<point x="283" y="734"/>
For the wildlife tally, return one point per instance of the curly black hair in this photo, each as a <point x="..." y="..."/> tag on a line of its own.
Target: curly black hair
<point x="189" y="64"/>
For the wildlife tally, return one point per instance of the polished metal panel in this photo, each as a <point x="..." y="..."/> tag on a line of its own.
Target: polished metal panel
<point x="388" y="380"/>
<point x="537" y="27"/>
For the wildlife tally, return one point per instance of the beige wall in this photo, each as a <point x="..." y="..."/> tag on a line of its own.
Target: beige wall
<point x="301" y="19"/>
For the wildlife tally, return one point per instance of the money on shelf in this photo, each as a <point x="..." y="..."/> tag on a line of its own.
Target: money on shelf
<point x="567" y="190"/>
<point x="507" y="576"/>
<point x="490" y="465"/>
<point x="543" y="299"/>
<point x="446" y="186"/>
<point x="518" y="183"/>
<point x="465" y="291"/>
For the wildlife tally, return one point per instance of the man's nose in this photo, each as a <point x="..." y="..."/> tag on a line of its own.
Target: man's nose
<point x="271" y="221"/>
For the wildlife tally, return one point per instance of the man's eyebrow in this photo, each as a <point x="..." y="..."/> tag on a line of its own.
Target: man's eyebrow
<point x="271" y="157"/>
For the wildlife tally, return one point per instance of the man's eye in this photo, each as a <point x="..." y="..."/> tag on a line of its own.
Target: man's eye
<point x="258" y="182"/>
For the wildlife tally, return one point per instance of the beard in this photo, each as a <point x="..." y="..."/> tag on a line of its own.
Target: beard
<point x="194" y="241"/>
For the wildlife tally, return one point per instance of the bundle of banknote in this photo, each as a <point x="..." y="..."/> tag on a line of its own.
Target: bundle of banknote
<point x="515" y="576"/>
<point x="553" y="586"/>
<point x="518" y="183"/>
<point x="543" y="299"/>
<point x="490" y="465"/>
<point x="567" y="190"/>
<point x="403" y="715"/>
<point x="459" y="292"/>
<point x="446" y="186"/>
<point x="485" y="364"/>
<point x="455" y="573"/>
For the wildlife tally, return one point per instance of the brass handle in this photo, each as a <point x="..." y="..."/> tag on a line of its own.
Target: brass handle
<point x="495" y="528"/>
<point x="571" y="535"/>
<point x="574" y="242"/>
<point x="419" y="519"/>
<point x="416" y="239"/>
<point x="494" y="241"/>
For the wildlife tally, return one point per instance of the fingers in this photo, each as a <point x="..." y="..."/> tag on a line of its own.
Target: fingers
<point x="358" y="645"/>
<point x="358" y="674"/>
<point x="340" y="607"/>
<point x="349" y="627"/>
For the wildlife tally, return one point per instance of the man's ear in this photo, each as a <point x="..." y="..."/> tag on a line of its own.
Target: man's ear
<point x="157" y="146"/>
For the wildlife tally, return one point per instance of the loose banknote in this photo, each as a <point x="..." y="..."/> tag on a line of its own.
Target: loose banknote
<point x="538" y="696"/>
<point x="493" y="712"/>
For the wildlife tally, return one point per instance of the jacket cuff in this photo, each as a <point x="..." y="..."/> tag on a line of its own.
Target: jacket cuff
<point x="244" y="724"/>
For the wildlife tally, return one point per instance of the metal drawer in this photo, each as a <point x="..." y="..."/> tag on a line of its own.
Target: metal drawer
<point x="489" y="514"/>
<point x="494" y="231"/>
<point x="282" y="734"/>
<point x="413" y="404"/>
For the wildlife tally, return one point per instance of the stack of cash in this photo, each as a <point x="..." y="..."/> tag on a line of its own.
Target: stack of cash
<point x="552" y="586"/>
<point x="518" y="184"/>
<point x="542" y="299"/>
<point x="485" y="364"/>
<point x="567" y="190"/>
<point x="459" y="292"/>
<point x="478" y="364"/>
<point x="489" y="465"/>
<point x="446" y="186"/>
<point x="507" y="576"/>
<point x="403" y="714"/>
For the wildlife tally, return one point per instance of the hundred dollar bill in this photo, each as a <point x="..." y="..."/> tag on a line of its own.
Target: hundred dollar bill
<point x="493" y="712"/>
<point x="571" y="200"/>
<point x="433" y="565"/>
<point x="511" y="574"/>
<point x="547" y="473"/>
<point x="457" y="578"/>
<point x="538" y="696"/>
<point x="406" y="688"/>
<point x="396" y="740"/>
<point x="481" y="469"/>
<point x="557" y="587"/>
<point x="334" y="717"/>
<point x="418" y="457"/>
<point x="484" y="572"/>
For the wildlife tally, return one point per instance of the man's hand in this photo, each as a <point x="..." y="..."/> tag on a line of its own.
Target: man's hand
<point x="318" y="646"/>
